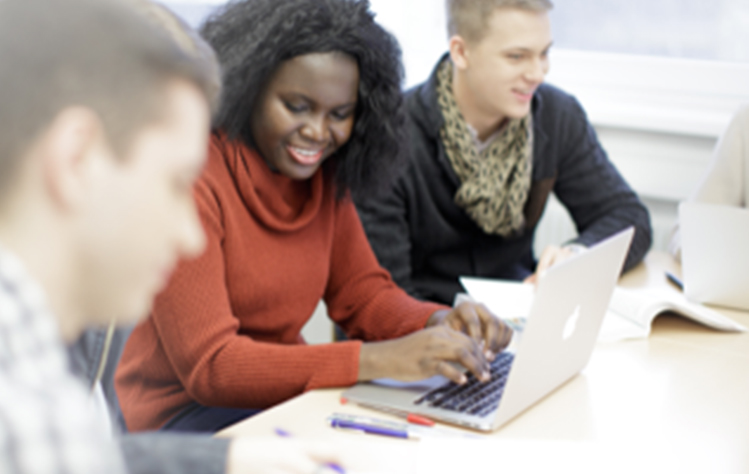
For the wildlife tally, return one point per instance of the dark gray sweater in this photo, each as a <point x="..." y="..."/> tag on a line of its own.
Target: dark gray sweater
<point x="145" y="453"/>
<point x="426" y="241"/>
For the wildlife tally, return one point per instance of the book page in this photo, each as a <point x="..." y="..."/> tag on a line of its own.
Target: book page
<point x="618" y="328"/>
<point x="664" y="299"/>
<point x="639" y="307"/>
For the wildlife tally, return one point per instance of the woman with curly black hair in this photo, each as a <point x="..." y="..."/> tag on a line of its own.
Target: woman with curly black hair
<point x="310" y="116"/>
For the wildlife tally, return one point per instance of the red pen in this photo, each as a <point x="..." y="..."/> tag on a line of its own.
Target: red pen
<point x="410" y="417"/>
<point x="419" y="420"/>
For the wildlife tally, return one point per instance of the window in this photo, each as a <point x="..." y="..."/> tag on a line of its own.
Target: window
<point x="419" y="26"/>
<point x="696" y="29"/>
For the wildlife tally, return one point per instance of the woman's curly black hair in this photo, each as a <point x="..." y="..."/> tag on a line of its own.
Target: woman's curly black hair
<point x="253" y="37"/>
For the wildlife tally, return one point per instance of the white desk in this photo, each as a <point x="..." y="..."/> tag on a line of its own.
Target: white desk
<point x="685" y="385"/>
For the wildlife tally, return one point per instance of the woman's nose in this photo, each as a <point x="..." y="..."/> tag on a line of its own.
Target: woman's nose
<point x="316" y="129"/>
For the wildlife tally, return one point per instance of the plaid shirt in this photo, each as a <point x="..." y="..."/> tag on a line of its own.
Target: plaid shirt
<point x="46" y="422"/>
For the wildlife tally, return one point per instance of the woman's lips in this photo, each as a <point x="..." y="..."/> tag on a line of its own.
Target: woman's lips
<point x="305" y="156"/>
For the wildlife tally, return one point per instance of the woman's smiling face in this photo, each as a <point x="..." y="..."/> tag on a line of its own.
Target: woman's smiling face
<point x="306" y="112"/>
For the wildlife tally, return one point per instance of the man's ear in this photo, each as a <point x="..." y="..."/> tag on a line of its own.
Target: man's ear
<point x="69" y="146"/>
<point x="459" y="51"/>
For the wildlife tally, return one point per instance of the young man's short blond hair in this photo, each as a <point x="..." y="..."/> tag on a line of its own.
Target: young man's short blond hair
<point x="97" y="54"/>
<point x="189" y="41"/>
<point x="468" y="18"/>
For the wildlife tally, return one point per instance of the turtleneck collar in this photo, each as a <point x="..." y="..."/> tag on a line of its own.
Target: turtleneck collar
<point x="279" y="202"/>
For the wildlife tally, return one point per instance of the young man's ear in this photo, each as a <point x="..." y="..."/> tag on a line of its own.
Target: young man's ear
<point x="458" y="51"/>
<point x="68" y="148"/>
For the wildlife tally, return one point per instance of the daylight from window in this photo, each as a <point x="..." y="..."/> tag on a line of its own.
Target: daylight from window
<point x="694" y="29"/>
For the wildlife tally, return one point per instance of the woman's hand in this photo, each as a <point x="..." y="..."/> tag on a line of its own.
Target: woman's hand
<point x="463" y="337"/>
<point x="432" y="351"/>
<point x="478" y="323"/>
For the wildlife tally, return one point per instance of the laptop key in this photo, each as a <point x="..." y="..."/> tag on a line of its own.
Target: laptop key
<point x="473" y="397"/>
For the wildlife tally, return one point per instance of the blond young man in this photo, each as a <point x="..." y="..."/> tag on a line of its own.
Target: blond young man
<point x="103" y="129"/>
<point x="488" y="142"/>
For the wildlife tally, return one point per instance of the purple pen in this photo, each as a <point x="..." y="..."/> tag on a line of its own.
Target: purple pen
<point x="283" y="433"/>
<point x="330" y="465"/>
<point x="369" y="428"/>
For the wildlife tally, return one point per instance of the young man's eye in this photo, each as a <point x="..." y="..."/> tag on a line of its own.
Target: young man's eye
<point x="515" y="57"/>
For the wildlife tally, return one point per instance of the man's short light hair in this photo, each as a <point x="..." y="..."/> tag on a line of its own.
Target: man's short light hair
<point x="97" y="54"/>
<point x="468" y="18"/>
<point x="188" y="40"/>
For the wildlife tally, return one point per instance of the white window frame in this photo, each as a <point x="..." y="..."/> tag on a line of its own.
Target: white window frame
<point x="658" y="117"/>
<point x="652" y="93"/>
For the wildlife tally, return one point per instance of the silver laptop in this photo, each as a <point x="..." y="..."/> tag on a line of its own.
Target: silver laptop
<point x="715" y="254"/>
<point x="556" y="343"/>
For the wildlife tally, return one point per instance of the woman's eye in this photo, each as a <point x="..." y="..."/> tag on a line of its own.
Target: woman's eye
<point x="342" y="114"/>
<point x="295" y="108"/>
<point x="515" y="57"/>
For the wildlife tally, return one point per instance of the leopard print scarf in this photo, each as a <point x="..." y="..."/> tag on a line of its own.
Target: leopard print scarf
<point x="495" y="184"/>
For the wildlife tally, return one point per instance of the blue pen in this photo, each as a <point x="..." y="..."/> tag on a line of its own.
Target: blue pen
<point x="675" y="280"/>
<point x="331" y="465"/>
<point x="371" y="428"/>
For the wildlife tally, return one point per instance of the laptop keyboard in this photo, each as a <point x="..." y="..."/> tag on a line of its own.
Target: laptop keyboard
<point x="473" y="397"/>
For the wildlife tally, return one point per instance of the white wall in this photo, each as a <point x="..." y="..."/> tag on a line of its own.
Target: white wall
<point x="419" y="26"/>
<point x="697" y="29"/>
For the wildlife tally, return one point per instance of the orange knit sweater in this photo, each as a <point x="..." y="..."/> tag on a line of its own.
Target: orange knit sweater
<point x="226" y="331"/>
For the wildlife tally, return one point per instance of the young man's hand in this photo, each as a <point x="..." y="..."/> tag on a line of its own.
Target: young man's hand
<point x="551" y="256"/>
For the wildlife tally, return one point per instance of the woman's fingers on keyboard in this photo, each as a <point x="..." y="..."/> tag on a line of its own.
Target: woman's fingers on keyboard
<point x="469" y="354"/>
<point x="497" y="334"/>
<point x="502" y="337"/>
<point x="451" y="372"/>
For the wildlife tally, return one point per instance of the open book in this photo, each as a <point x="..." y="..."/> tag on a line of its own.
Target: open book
<point x="630" y="315"/>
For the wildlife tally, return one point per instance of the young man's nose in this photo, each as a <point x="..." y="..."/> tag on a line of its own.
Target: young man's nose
<point x="537" y="70"/>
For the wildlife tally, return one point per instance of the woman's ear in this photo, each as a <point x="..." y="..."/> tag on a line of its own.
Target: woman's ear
<point x="458" y="52"/>
<point x="69" y="146"/>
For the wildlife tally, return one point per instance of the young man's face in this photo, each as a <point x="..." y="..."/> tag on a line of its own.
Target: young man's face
<point x="142" y="217"/>
<point x="507" y="65"/>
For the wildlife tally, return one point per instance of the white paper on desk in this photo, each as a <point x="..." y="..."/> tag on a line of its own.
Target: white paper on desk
<point x="505" y="298"/>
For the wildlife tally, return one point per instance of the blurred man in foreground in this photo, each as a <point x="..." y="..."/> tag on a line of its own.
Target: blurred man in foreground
<point x="104" y="129"/>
